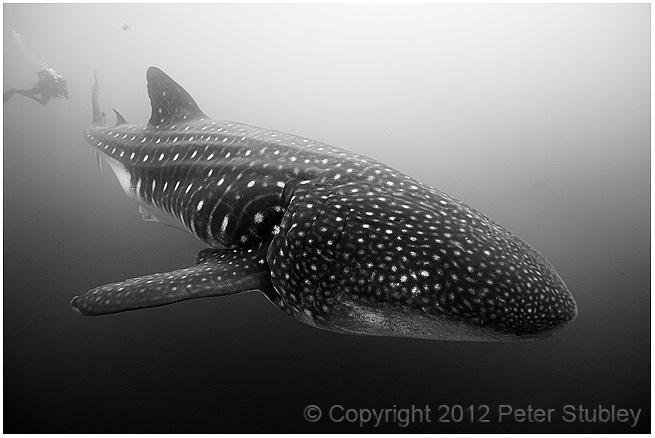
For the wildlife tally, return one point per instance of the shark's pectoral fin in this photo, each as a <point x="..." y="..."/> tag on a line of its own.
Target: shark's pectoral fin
<point x="216" y="273"/>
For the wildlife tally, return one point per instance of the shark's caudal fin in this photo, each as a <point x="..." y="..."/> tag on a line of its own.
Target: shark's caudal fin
<point x="97" y="114"/>
<point x="98" y="120"/>
<point x="170" y="102"/>
<point x="215" y="273"/>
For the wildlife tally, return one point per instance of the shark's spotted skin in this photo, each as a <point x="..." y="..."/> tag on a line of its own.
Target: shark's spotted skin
<point x="340" y="241"/>
<point x="372" y="244"/>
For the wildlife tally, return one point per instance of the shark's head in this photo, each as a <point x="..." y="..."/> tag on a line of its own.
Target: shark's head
<point x="404" y="261"/>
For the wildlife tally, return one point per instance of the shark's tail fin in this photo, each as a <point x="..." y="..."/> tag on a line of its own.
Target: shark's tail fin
<point x="98" y="119"/>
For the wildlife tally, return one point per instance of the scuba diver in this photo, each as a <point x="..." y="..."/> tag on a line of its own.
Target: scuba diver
<point x="50" y="85"/>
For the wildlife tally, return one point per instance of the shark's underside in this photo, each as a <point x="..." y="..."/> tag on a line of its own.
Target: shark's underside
<point x="336" y="239"/>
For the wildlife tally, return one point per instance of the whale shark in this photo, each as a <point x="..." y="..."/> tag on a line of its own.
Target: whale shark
<point x="335" y="239"/>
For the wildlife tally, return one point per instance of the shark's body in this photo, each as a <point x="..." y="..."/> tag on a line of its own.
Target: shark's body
<point x="336" y="239"/>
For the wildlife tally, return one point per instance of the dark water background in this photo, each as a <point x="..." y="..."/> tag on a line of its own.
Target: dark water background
<point x="536" y="115"/>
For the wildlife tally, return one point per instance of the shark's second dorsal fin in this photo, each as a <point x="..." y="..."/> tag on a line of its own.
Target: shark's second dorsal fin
<point x="120" y="120"/>
<point x="170" y="102"/>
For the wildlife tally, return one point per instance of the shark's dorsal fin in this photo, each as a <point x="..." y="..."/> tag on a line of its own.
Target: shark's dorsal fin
<point x="171" y="104"/>
<point x="120" y="120"/>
